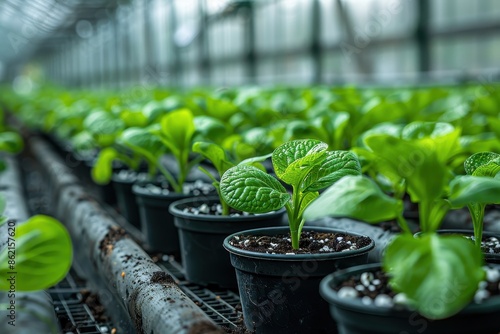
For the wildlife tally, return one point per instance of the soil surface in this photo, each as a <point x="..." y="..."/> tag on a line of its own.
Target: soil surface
<point x="373" y="289"/>
<point x="97" y="309"/>
<point x="490" y="245"/>
<point x="162" y="278"/>
<point x="197" y="188"/>
<point x="107" y="243"/>
<point x="205" y="327"/>
<point x="213" y="210"/>
<point x="311" y="242"/>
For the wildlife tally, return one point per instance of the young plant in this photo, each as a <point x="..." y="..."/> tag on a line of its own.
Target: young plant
<point x="218" y="157"/>
<point x="487" y="166"/>
<point x="176" y="132"/>
<point x="427" y="267"/>
<point x="220" y="160"/>
<point x="306" y="165"/>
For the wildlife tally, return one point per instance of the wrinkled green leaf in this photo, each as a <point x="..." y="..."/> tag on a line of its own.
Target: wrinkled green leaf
<point x="249" y="189"/>
<point x="292" y="158"/>
<point x="336" y="165"/>
<point x="356" y="197"/>
<point x="43" y="255"/>
<point x="439" y="273"/>
<point x="483" y="164"/>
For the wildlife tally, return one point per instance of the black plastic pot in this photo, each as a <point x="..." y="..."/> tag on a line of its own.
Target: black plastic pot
<point x="125" y="199"/>
<point x="353" y="317"/>
<point x="157" y="223"/>
<point x="106" y="193"/>
<point x="204" y="259"/>
<point x="279" y="293"/>
<point x="490" y="258"/>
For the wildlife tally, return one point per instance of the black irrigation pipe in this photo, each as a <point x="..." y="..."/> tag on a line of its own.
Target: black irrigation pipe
<point x="32" y="312"/>
<point x="149" y="299"/>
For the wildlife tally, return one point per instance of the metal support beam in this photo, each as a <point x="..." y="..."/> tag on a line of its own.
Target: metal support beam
<point x="176" y="64"/>
<point x="316" y="41"/>
<point x="249" y="31"/>
<point x="422" y="35"/>
<point x="204" y="58"/>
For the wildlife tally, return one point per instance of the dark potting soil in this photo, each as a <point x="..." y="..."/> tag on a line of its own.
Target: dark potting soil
<point x="114" y="234"/>
<point x="162" y="278"/>
<point x="197" y="188"/>
<point x="311" y="242"/>
<point x="489" y="245"/>
<point x="213" y="210"/>
<point x="241" y="329"/>
<point x="205" y="327"/>
<point x="95" y="306"/>
<point x="373" y="289"/>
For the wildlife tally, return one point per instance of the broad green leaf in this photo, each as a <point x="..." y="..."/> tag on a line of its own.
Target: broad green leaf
<point x="133" y="118"/>
<point x="11" y="142"/>
<point x="249" y="189"/>
<point x="103" y="167"/>
<point x="43" y="255"/>
<point x="336" y="165"/>
<point x="443" y="138"/>
<point x="155" y="109"/>
<point x="356" y="197"/>
<point x="483" y="164"/>
<point x="298" y="129"/>
<point x="177" y="130"/>
<point x="103" y="123"/>
<point x="142" y="141"/>
<point x="83" y="141"/>
<point x="298" y="153"/>
<point x="215" y="154"/>
<point x="331" y="128"/>
<point x="440" y="274"/>
<point x="468" y="189"/>
<point x="254" y="160"/>
<point x="382" y="128"/>
<point x="209" y="128"/>
<point x="426" y="175"/>
<point x="419" y="130"/>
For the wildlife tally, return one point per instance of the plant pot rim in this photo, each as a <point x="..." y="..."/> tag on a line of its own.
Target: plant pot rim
<point x="295" y="257"/>
<point x="462" y="231"/>
<point x="139" y="190"/>
<point x="355" y="304"/>
<point x="492" y="257"/>
<point x="174" y="210"/>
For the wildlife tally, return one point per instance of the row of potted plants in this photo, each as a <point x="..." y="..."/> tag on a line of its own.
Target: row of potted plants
<point x="421" y="160"/>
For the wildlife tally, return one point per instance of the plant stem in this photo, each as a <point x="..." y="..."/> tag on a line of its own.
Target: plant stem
<point x="169" y="177"/>
<point x="423" y="212"/>
<point x="477" y="213"/>
<point x="403" y="224"/>
<point x="294" y="220"/>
